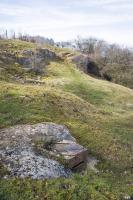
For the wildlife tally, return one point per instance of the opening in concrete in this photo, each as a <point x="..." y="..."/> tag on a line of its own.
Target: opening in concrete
<point x="92" y="68"/>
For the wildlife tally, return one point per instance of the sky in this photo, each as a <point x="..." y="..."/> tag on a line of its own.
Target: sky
<point x="111" y="20"/>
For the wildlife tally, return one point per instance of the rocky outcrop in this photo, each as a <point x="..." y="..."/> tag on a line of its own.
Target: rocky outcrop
<point x="40" y="151"/>
<point x="30" y="59"/>
<point x="36" y="60"/>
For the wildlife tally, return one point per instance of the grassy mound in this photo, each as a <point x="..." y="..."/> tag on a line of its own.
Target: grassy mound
<point x="99" y="115"/>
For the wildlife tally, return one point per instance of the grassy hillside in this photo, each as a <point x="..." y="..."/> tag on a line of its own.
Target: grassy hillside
<point x="118" y="73"/>
<point x="99" y="115"/>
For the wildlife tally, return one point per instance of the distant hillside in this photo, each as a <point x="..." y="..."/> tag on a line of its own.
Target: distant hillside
<point x="44" y="85"/>
<point x="119" y="73"/>
<point x="107" y="61"/>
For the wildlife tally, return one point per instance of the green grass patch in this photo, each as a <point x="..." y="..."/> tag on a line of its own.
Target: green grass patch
<point x="97" y="113"/>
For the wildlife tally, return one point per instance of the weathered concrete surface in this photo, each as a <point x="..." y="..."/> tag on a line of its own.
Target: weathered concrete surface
<point x="81" y="61"/>
<point x="74" y="154"/>
<point x="85" y="64"/>
<point x="19" y="156"/>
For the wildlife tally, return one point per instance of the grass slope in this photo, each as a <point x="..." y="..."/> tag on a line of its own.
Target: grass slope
<point x="119" y="73"/>
<point x="99" y="115"/>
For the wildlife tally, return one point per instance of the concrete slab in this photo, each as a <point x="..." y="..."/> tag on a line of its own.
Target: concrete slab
<point x="73" y="154"/>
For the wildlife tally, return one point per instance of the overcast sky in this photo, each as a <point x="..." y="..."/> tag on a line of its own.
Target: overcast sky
<point x="111" y="20"/>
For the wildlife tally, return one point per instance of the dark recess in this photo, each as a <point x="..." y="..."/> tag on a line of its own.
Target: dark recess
<point x="92" y="68"/>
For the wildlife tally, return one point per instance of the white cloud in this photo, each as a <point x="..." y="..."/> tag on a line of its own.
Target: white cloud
<point x="10" y="10"/>
<point x="71" y="18"/>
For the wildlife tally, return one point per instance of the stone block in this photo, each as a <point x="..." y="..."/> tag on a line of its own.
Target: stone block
<point x="73" y="154"/>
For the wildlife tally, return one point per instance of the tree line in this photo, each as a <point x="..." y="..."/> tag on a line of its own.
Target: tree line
<point x="104" y="52"/>
<point x="11" y="34"/>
